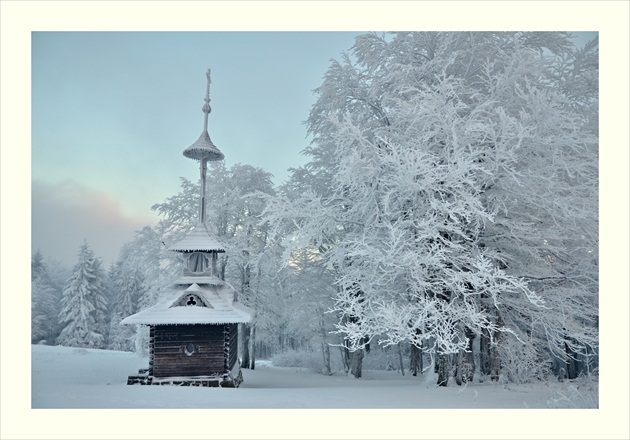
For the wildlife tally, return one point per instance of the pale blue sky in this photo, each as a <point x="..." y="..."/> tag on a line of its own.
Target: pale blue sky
<point x="113" y="111"/>
<point x="127" y="104"/>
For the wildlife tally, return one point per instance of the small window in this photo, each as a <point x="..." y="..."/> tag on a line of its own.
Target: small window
<point x="198" y="262"/>
<point x="189" y="349"/>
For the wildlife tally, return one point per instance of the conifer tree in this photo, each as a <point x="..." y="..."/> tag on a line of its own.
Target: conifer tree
<point x="38" y="267"/>
<point x="44" y="308"/>
<point x="127" y="283"/>
<point x="102" y="301"/>
<point x="46" y="289"/>
<point x="82" y="303"/>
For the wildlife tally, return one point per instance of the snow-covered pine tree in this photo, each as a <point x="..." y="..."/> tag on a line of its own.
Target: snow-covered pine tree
<point x="47" y="280"/>
<point x="38" y="266"/>
<point x="102" y="301"/>
<point x="115" y="341"/>
<point x="128" y="286"/>
<point x="80" y="303"/>
<point x="45" y="302"/>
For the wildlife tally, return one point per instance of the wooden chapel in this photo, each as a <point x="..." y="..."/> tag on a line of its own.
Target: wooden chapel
<point x="193" y="329"/>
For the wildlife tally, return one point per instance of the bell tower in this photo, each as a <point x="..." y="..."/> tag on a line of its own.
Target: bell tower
<point x="200" y="249"/>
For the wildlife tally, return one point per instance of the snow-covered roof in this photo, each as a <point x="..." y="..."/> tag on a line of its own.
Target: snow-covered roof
<point x="198" y="240"/>
<point x="217" y="306"/>
<point x="199" y="279"/>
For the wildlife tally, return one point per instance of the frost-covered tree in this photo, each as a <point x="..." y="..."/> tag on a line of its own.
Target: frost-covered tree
<point x="312" y="291"/>
<point x="546" y="223"/>
<point x="148" y="254"/>
<point x="38" y="266"/>
<point x="291" y="303"/>
<point x="127" y="282"/>
<point x="82" y="303"/>
<point x="102" y="301"/>
<point x="576" y="76"/>
<point x="247" y="242"/>
<point x="46" y="289"/>
<point x="45" y="301"/>
<point x="233" y="207"/>
<point x="452" y="186"/>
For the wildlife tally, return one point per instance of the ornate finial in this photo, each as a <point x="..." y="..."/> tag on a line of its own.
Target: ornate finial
<point x="204" y="149"/>
<point x="206" y="107"/>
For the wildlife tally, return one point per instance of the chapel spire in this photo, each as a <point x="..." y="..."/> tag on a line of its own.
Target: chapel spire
<point x="199" y="240"/>
<point x="204" y="150"/>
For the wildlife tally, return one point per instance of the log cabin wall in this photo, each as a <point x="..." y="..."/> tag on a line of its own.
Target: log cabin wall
<point x="188" y="350"/>
<point x="151" y="348"/>
<point x="233" y="354"/>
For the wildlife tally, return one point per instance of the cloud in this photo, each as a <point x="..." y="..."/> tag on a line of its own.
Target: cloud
<point x="64" y="214"/>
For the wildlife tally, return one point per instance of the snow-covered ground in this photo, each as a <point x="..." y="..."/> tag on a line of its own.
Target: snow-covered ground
<point x="64" y="377"/>
<point x="82" y="394"/>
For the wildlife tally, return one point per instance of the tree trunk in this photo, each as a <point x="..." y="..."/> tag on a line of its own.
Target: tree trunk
<point x="246" y="333"/>
<point x="253" y="350"/>
<point x="571" y="362"/>
<point x="325" y="346"/>
<point x="485" y="361"/>
<point x="400" y="360"/>
<point x="443" y="369"/>
<point x="495" y="364"/>
<point x="414" y="361"/>
<point x="356" y="363"/>
<point x="326" y="355"/>
<point x="494" y="352"/>
<point x="465" y="367"/>
<point x="466" y="361"/>
<point x="345" y="358"/>
<point x="490" y="362"/>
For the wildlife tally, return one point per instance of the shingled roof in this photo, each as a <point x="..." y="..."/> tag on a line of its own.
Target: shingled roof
<point x="198" y="240"/>
<point x="216" y="306"/>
